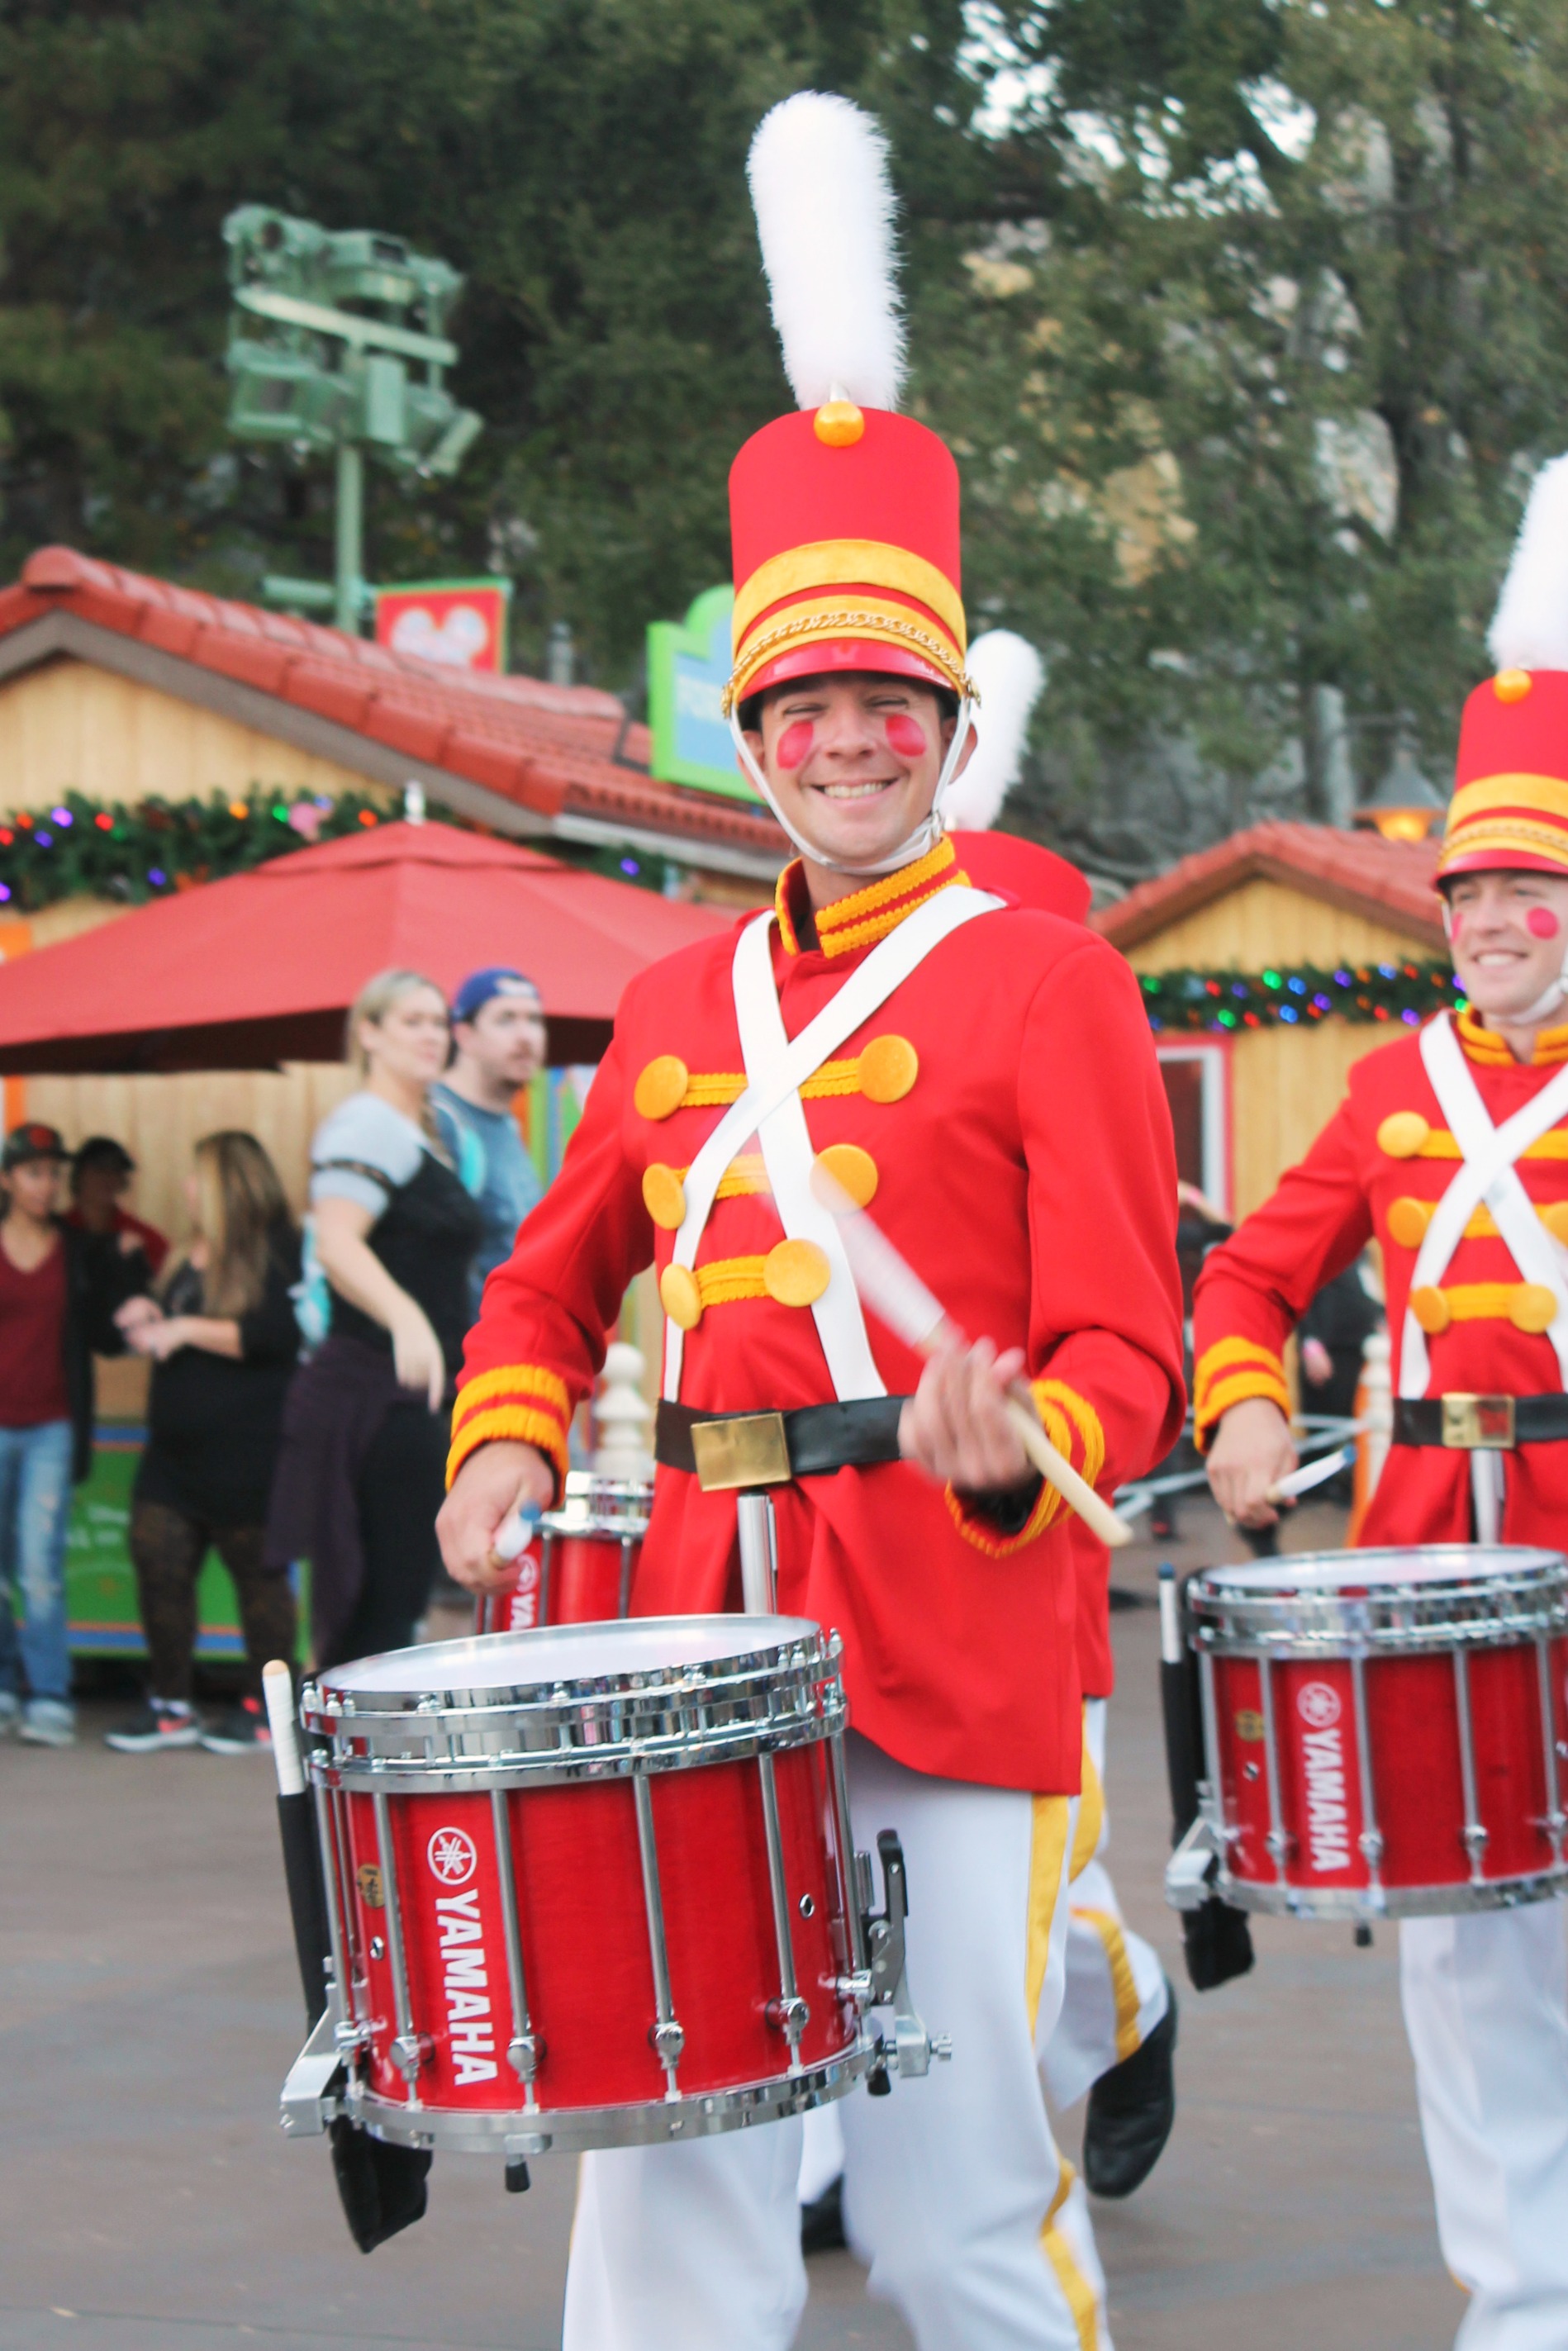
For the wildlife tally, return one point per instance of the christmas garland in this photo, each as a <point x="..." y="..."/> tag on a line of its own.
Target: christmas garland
<point x="1300" y="995"/>
<point x="104" y="849"/>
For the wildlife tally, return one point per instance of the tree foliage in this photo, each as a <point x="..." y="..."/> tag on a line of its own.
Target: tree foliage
<point x="1247" y="319"/>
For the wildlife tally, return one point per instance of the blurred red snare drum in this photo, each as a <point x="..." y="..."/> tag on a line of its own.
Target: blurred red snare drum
<point x="579" y="1566"/>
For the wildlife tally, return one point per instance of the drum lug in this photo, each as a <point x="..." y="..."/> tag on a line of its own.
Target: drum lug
<point x="857" y="1987"/>
<point x="790" y="2017"/>
<point x="524" y="2054"/>
<point x="410" y="2052"/>
<point x="667" y="2040"/>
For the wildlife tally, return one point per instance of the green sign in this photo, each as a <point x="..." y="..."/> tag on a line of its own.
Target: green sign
<point x="689" y="664"/>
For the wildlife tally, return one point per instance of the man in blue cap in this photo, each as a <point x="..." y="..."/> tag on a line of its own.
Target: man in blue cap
<point x="500" y="1041"/>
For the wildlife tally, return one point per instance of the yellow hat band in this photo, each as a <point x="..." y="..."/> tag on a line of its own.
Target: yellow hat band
<point x="832" y="623"/>
<point x="865" y="564"/>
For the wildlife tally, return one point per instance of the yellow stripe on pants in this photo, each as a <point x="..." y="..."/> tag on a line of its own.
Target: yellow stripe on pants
<point x="1123" y="1987"/>
<point x="1076" y="2292"/>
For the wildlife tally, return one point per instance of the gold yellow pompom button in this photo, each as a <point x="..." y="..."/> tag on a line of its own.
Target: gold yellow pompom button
<point x="1407" y="1219"/>
<point x="1430" y="1308"/>
<point x="661" y="1088"/>
<point x="852" y="1170"/>
<point x="1555" y="1217"/>
<point x="796" y="1273"/>
<point x="1532" y="1308"/>
<point x="839" y="424"/>
<point x="888" y="1068"/>
<point x="680" y="1297"/>
<point x="1402" y="1134"/>
<point x="1510" y="684"/>
<point x="665" y="1196"/>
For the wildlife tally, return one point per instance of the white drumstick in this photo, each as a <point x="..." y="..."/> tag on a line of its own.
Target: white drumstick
<point x="1309" y="1474"/>
<point x="278" y="1689"/>
<point x="516" y="1532"/>
<point x="891" y="1286"/>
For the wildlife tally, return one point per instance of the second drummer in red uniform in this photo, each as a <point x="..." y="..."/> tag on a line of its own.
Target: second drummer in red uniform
<point x="981" y="1074"/>
<point x="1452" y="1150"/>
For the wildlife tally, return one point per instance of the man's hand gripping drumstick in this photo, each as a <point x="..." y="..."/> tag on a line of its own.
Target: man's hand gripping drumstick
<point x="486" y="1519"/>
<point x="972" y="1421"/>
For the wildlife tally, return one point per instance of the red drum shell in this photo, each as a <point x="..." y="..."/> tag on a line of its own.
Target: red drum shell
<point x="581" y="1567"/>
<point x="1385" y="1833"/>
<point x="586" y="1953"/>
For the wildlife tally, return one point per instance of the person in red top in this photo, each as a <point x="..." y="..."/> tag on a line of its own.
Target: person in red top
<point x="58" y="1294"/>
<point x="981" y="1073"/>
<point x="1472" y="1236"/>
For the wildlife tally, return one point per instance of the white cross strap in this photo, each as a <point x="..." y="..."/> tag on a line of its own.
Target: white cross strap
<point x="1488" y="1174"/>
<point x="775" y="1071"/>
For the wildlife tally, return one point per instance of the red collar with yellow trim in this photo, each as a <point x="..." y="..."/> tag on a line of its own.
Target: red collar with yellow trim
<point x="865" y="916"/>
<point x="1490" y="1050"/>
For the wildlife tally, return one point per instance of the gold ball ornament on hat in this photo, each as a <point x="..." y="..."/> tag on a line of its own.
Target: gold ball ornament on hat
<point x="1511" y="684"/>
<point x="839" y="424"/>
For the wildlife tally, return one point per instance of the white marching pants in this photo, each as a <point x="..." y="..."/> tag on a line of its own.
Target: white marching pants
<point x="1486" y="2008"/>
<point x="955" y="2196"/>
<point x="1116" y="1991"/>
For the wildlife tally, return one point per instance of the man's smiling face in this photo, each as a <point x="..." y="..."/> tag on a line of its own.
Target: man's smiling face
<point x="853" y="760"/>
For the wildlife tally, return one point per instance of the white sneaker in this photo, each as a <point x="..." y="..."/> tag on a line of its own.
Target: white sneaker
<point x="47" y="1722"/>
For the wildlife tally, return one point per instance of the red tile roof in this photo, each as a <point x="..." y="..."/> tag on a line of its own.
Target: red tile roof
<point x="549" y="749"/>
<point x="1387" y="880"/>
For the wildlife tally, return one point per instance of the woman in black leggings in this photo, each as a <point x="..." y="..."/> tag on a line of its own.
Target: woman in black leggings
<point x="363" y="1466"/>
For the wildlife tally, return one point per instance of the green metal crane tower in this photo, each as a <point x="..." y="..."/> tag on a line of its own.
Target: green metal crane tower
<point x="341" y="381"/>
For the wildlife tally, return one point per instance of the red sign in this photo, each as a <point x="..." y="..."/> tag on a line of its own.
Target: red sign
<point x="461" y="623"/>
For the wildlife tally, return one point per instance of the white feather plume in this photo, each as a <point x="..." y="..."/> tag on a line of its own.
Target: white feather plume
<point x="1010" y="676"/>
<point x="824" y="208"/>
<point x="1529" y="630"/>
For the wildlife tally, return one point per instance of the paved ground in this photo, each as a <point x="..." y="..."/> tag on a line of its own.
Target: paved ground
<point x="148" y="2007"/>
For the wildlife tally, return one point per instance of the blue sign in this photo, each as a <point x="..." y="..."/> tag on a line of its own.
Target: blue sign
<point x="689" y="664"/>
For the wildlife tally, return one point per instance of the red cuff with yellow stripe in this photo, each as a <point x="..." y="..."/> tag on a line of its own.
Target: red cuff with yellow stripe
<point x="1229" y="1373"/>
<point x="1074" y="1426"/>
<point x="521" y="1401"/>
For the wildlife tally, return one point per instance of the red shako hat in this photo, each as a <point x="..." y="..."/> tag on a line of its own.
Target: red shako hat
<point x="843" y="516"/>
<point x="1509" y="807"/>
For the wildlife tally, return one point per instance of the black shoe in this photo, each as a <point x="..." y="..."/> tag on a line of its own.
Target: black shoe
<point x="240" y="1730"/>
<point x="154" y="1728"/>
<point x="822" y="2220"/>
<point x="1131" y="2110"/>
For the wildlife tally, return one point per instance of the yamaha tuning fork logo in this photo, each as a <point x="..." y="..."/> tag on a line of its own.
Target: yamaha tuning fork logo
<point x="1322" y="1755"/>
<point x="451" y="1856"/>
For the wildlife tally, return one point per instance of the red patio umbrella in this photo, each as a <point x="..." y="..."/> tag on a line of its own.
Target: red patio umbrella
<point x="260" y="968"/>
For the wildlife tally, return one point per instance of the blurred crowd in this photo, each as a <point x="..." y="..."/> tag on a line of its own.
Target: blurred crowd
<point x="300" y="1371"/>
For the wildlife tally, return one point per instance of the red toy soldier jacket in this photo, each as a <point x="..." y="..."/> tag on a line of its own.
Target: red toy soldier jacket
<point x="1004" y="1107"/>
<point x="1381" y="1163"/>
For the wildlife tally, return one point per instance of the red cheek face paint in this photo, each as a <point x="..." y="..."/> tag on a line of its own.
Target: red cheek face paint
<point x="1456" y="922"/>
<point x="1541" y="923"/>
<point x="794" y="743"/>
<point x="905" y="736"/>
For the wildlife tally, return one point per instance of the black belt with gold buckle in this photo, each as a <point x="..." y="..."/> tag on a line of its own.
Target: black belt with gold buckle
<point x="728" y="1452"/>
<point x="1481" y="1424"/>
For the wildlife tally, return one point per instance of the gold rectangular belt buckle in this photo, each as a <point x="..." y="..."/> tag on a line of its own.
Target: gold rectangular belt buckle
<point x="749" y="1449"/>
<point x="1479" y="1424"/>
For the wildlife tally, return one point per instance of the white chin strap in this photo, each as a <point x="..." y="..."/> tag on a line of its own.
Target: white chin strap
<point x="1550" y="999"/>
<point x="925" y="837"/>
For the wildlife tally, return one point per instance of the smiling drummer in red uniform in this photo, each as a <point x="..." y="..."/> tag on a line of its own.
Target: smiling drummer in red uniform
<point x="982" y="1074"/>
<point x="1452" y="1149"/>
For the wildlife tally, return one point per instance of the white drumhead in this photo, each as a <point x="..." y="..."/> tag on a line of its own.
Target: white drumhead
<point x="566" y="1653"/>
<point x="1374" y="1568"/>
